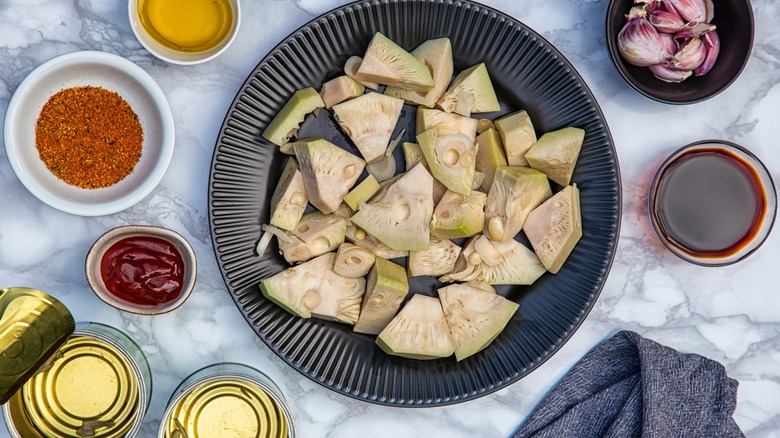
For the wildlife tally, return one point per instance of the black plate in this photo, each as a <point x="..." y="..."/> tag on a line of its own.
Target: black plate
<point x="528" y="73"/>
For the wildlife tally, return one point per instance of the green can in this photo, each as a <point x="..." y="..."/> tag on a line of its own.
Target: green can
<point x="88" y="379"/>
<point x="224" y="401"/>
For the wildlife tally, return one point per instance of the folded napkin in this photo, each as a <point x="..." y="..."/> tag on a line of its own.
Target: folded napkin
<point x="629" y="386"/>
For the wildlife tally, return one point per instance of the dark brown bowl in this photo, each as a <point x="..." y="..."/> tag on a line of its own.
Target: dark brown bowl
<point x="734" y="21"/>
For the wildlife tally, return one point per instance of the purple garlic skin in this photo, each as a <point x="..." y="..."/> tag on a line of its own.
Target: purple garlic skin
<point x="695" y="31"/>
<point x="697" y="11"/>
<point x="666" y="22"/>
<point x="639" y="42"/>
<point x="712" y="44"/>
<point x="669" y="74"/>
<point x="690" y="55"/>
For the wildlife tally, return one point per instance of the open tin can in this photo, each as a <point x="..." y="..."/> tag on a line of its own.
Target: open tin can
<point x="64" y="379"/>
<point x="227" y="400"/>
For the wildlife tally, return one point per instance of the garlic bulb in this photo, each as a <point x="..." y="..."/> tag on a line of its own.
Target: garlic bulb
<point x="690" y="56"/>
<point x="639" y="42"/>
<point x="667" y="22"/>
<point x="697" y="11"/>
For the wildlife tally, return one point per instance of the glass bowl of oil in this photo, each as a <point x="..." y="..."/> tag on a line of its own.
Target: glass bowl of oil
<point x="185" y="31"/>
<point x="713" y="203"/>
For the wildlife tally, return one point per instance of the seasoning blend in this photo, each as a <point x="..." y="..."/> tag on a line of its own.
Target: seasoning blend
<point x="224" y="401"/>
<point x="713" y="203"/>
<point x="89" y="137"/>
<point x="95" y="384"/>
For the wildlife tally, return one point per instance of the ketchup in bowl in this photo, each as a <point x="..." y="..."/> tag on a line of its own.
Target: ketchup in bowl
<point x="143" y="270"/>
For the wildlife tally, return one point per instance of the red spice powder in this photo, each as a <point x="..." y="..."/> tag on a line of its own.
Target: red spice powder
<point x="89" y="137"/>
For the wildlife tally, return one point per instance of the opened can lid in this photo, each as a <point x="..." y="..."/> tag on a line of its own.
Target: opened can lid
<point x="33" y="327"/>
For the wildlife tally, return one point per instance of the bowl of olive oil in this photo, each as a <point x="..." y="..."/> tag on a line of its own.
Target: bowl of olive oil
<point x="185" y="31"/>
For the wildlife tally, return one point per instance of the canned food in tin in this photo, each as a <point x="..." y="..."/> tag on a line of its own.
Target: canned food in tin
<point x="98" y="384"/>
<point x="227" y="400"/>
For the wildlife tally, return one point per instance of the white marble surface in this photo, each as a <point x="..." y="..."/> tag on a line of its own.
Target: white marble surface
<point x="729" y="314"/>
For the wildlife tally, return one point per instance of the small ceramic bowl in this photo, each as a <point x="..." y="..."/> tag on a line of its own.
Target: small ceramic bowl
<point x="735" y="26"/>
<point x="97" y="69"/>
<point x="99" y="248"/>
<point x="180" y="57"/>
<point x="713" y="203"/>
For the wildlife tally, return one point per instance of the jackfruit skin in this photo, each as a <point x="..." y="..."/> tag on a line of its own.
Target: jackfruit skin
<point x="386" y="287"/>
<point x="287" y="121"/>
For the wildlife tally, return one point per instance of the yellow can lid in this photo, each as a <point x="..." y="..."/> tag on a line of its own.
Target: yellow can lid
<point x="227" y="407"/>
<point x="33" y="326"/>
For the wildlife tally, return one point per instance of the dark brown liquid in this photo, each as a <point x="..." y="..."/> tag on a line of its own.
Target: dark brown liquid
<point x="709" y="202"/>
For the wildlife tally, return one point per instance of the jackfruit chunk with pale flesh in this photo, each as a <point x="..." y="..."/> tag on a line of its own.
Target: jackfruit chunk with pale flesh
<point x="555" y="154"/>
<point x="369" y="121"/>
<point x="400" y="214"/>
<point x="496" y="263"/>
<point x="471" y="92"/>
<point x="289" y="199"/>
<point x="386" y="287"/>
<point x="385" y="62"/>
<point x="438" y="259"/>
<point x="451" y="158"/>
<point x="555" y="227"/>
<point x="515" y="192"/>
<point x="287" y="121"/>
<point x="518" y="135"/>
<point x="418" y="331"/>
<point x="436" y="54"/>
<point x="328" y="172"/>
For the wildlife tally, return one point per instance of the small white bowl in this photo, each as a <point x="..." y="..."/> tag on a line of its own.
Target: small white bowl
<point x="97" y="69"/>
<point x="99" y="248"/>
<point x="177" y="57"/>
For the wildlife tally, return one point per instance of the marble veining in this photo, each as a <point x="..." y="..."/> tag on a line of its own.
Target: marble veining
<point x="728" y="314"/>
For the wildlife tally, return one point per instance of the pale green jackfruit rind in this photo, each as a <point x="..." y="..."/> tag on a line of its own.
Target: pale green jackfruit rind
<point x="465" y="215"/>
<point x="362" y="192"/>
<point x="369" y="121"/>
<point x="474" y="81"/>
<point x="437" y="56"/>
<point x="418" y="331"/>
<point x="288" y="288"/>
<point x="556" y="153"/>
<point x="458" y="177"/>
<point x="412" y="154"/>
<point x="400" y="214"/>
<point x="289" y="118"/>
<point x="518" y="135"/>
<point x="328" y="172"/>
<point x="289" y="199"/>
<point x="490" y="156"/>
<point x="485" y="314"/>
<point x="386" y="288"/>
<point x="519" y="265"/>
<point x="340" y="297"/>
<point x="347" y="251"/>
<point x="445" y="123"/>
<point x="385" y="62"/>
<point x="438" y="259"/>
<point x="515" y="192"/>
<point x="340" y="89"/>
<point x="555" y="227"/>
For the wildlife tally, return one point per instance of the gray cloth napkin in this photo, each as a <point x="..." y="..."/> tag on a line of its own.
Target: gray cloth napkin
<point x="629" y="386"/>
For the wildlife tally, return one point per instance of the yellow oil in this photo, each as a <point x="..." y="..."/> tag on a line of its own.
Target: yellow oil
<point x="187" y="25"/>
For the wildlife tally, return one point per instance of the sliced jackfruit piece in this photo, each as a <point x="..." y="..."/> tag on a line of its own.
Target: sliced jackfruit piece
<point x="438" y="259"/>
<point x="412" y="154"/>
<point x="451" y="159"/>
<point x="555" y="227"/>
<point x="289" y="199"/>
<point x="556" y="153"/>
<point x="359" y="237"/>
<point x="517" y="135"/>
<point x="339" y="297"/>
<point x="386" y="288"/>
<point x="362" y="192"/>
<point x="437" y="56"/>
<point x="400" y="214"/>
<point x="328" y="172"/>
<point x="496" y="263"/>
<point x="385" y="62"/>
<point x="418" y="331"/>
<point x="457" y="216"/>
<point x="287" y="121"/>
<point x="445" y="123"/>
<point x="340" y="89"/>
<point x="475" y="317"/>
<point x="369" y="121"/>
<point x="351" y="68"/>
<point x="514" y="193"/>
<point x="483" y="125"/>
<point x="489" y="156"/>
<point x="353" y="261"/>
<point x="296" y="289"/>
<point x="315" y="234"/>
<point x="471" y="92"/>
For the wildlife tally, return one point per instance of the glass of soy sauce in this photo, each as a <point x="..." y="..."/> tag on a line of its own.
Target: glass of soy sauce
<point x="713" y="203"/>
